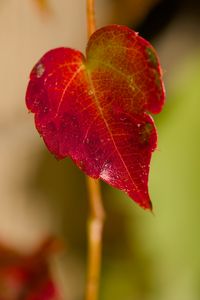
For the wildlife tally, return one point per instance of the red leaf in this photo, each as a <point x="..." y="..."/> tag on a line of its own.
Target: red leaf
<point x="93" y="109"/>
<point x="27" y="277"/>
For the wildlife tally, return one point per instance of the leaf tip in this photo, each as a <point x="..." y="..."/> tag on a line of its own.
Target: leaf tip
<point x="147" y="205"/>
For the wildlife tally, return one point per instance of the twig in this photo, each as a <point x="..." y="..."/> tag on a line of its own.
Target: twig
<point x="96" y="214"/>
<point x="95" y="227"/>
<point x="91" y="26"/>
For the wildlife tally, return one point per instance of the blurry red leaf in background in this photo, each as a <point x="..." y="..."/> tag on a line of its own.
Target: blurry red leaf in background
<point x="27" y="277"/>
<point x="93" y="109"/>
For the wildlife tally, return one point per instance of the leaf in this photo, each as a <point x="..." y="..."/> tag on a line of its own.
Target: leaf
<point x="93" y="109"/>
<point x="27" y="277"/>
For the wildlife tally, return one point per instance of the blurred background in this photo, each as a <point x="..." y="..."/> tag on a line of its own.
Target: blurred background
<point x="145" y="256"/>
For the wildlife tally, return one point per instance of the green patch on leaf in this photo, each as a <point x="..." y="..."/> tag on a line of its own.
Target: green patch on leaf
<point x="152" y="56"/>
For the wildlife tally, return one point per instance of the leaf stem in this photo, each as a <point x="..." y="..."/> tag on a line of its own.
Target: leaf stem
<point x="95" y="228"/>
<point x="91" y="26"/>
<point x="96" y="210"/>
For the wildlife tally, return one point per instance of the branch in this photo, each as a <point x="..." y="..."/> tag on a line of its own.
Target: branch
<point x="96" y="215"/>
<point x="91" y="26"/>
<point x="95" y="228"/>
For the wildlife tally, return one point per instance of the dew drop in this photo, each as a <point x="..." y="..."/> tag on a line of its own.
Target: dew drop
<point x="105" y="174"/>
<point x="107" y="165"/>
<point x="123" y="118"/>
<point x="45" y="109"/>
<point x="36" y="102"/>
<point x="130" y="80"/>
<point x="81" y="164"/>
<point x="39" y="70"/>
<point x="90" y="92"/>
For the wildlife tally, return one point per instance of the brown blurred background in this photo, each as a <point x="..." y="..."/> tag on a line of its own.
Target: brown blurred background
<point x="145" y="257"/>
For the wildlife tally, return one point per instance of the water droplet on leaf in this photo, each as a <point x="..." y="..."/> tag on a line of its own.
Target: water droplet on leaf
<point x="39" y="70"/>
<point x="90" y="92"/>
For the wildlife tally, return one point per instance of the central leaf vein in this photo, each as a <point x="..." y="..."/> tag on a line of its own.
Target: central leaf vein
<point x="98" y="105"/>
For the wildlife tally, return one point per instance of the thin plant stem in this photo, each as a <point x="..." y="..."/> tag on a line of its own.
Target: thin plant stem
<point x="96" y="210"/>
<point x="91" y="26"/>
<point x="95" y="228"/>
